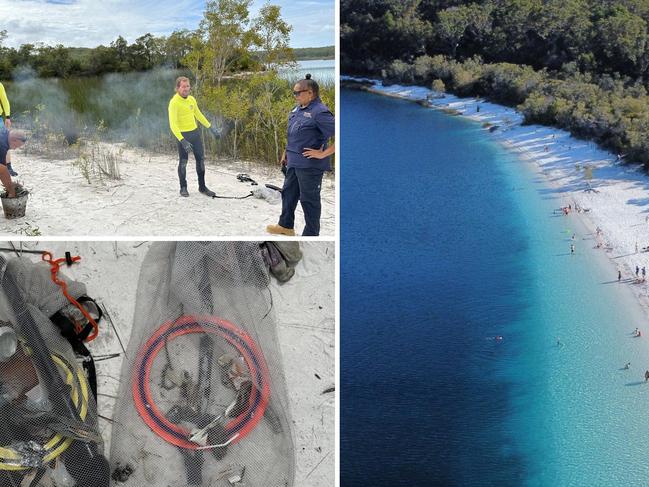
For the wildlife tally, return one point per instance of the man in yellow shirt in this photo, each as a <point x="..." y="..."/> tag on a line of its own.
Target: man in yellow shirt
<point x="183" y="113"/>
<point x="5" y="122"/>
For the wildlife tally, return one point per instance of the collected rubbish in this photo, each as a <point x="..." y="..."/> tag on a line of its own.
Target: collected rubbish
<point x="48" y="416"/>
<point x="272" y="186"/>
<point x="15" y="207"/>
<point x="202" y="391"/>
<point x="245" y="178"/>
<point x="268" y="194"/>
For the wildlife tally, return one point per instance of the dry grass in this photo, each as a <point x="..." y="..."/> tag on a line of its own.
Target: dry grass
<point x="97" y="161"/>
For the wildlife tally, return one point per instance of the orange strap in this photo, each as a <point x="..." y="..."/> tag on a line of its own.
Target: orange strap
<point x="55" y="265"/>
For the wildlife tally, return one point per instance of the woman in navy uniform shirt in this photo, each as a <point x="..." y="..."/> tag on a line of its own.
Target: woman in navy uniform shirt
<point x="310" y="126"/>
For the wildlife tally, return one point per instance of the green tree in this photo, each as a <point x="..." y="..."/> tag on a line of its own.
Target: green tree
<point x="274" y="35"/>
<point x="120" y="47"/>
<point x="146" y="52"/>
<point x="271" y="103"/>
<point x="234" y="104"/>
<point x="438" y="87"/>
<point x="454" y="22"/>
<point x="195" y="58"/>
<point x="228" y="36"/>
<point x="177" y="46"/>
<point x="511" y="23"/>
<point x="623" y="41"/>
<point x="53" y="61"/>
<point x="562" y="30"/>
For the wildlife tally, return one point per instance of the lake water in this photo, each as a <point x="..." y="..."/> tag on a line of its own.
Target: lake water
<point x="322" y="70"/>
<point x="447" y="242"/>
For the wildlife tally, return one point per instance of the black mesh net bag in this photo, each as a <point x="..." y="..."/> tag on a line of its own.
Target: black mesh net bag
<point x="48" y="416"/>
<point x="202" y="397"/>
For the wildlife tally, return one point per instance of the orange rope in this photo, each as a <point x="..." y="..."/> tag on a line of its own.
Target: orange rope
<point x="55" y="265"/>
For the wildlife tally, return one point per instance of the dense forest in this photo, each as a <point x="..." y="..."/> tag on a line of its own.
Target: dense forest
<point x="582" y="65"/>
<point x="145" y="53"/>
<point x="305" y="53"/>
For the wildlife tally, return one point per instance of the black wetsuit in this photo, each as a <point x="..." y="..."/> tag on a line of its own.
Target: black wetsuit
<point x="194" y="138"/>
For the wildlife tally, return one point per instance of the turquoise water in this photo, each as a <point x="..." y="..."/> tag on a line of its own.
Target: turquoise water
<point x="448" y="240"/>
<point x="578" y="412"/>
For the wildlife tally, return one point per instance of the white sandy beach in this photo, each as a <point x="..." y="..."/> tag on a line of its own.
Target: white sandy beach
<point x="619" y="200"/>
<point x="145" y="201"/>
<point x="304" y="311"/>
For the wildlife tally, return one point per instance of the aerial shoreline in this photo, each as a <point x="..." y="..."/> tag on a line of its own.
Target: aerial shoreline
<point x="615" y="196"/>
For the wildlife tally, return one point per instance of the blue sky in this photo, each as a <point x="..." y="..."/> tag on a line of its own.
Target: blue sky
<point x="88" y="23"/>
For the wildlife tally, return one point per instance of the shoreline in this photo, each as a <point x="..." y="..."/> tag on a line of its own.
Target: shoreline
<point x="616" y="196"/>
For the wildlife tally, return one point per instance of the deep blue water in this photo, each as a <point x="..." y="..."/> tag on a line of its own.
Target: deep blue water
<point x="432" y="265"/>
<point x="448" y="241"/>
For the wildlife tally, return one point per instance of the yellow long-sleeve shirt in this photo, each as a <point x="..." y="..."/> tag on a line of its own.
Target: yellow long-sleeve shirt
<point x="183" y="113"/>
<point x="5" y="108"/>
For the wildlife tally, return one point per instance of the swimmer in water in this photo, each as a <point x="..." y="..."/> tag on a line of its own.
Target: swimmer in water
<point x="627" y="366"/>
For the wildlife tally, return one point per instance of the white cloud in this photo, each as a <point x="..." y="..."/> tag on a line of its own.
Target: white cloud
<point x="88" y="23"/>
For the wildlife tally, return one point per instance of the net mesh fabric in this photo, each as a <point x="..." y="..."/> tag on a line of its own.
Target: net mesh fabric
<point x="203" y="369"/>
<point x="48" y="416"/>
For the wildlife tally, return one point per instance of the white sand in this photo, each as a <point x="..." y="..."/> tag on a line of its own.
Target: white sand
<point x="304" y="309"/>
<point x="619" y="206"/>
<point x="146" y="201"/>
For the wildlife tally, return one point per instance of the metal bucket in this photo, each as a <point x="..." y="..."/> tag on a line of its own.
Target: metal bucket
<point x="15" y="207"/>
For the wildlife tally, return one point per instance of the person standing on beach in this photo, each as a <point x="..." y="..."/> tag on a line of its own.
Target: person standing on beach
<point x="310" y="126"/>
<point x="644" y="273"/>
<point x="5" y="123"/>
<point x="619" y="275"/>
<point x="183" y="113"/>
<point x="637" y="271"/>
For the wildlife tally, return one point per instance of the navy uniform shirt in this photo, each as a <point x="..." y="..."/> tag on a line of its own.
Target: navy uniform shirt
<point x="309" y="127"/>
<point x="4" y="145"/>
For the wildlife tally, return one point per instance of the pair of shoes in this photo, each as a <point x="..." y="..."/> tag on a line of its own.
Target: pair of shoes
<point x="11" y="171"/>
<point x="184" y="192"/>
<point x="207" y="192"/>
<point x="280" y="230"/>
